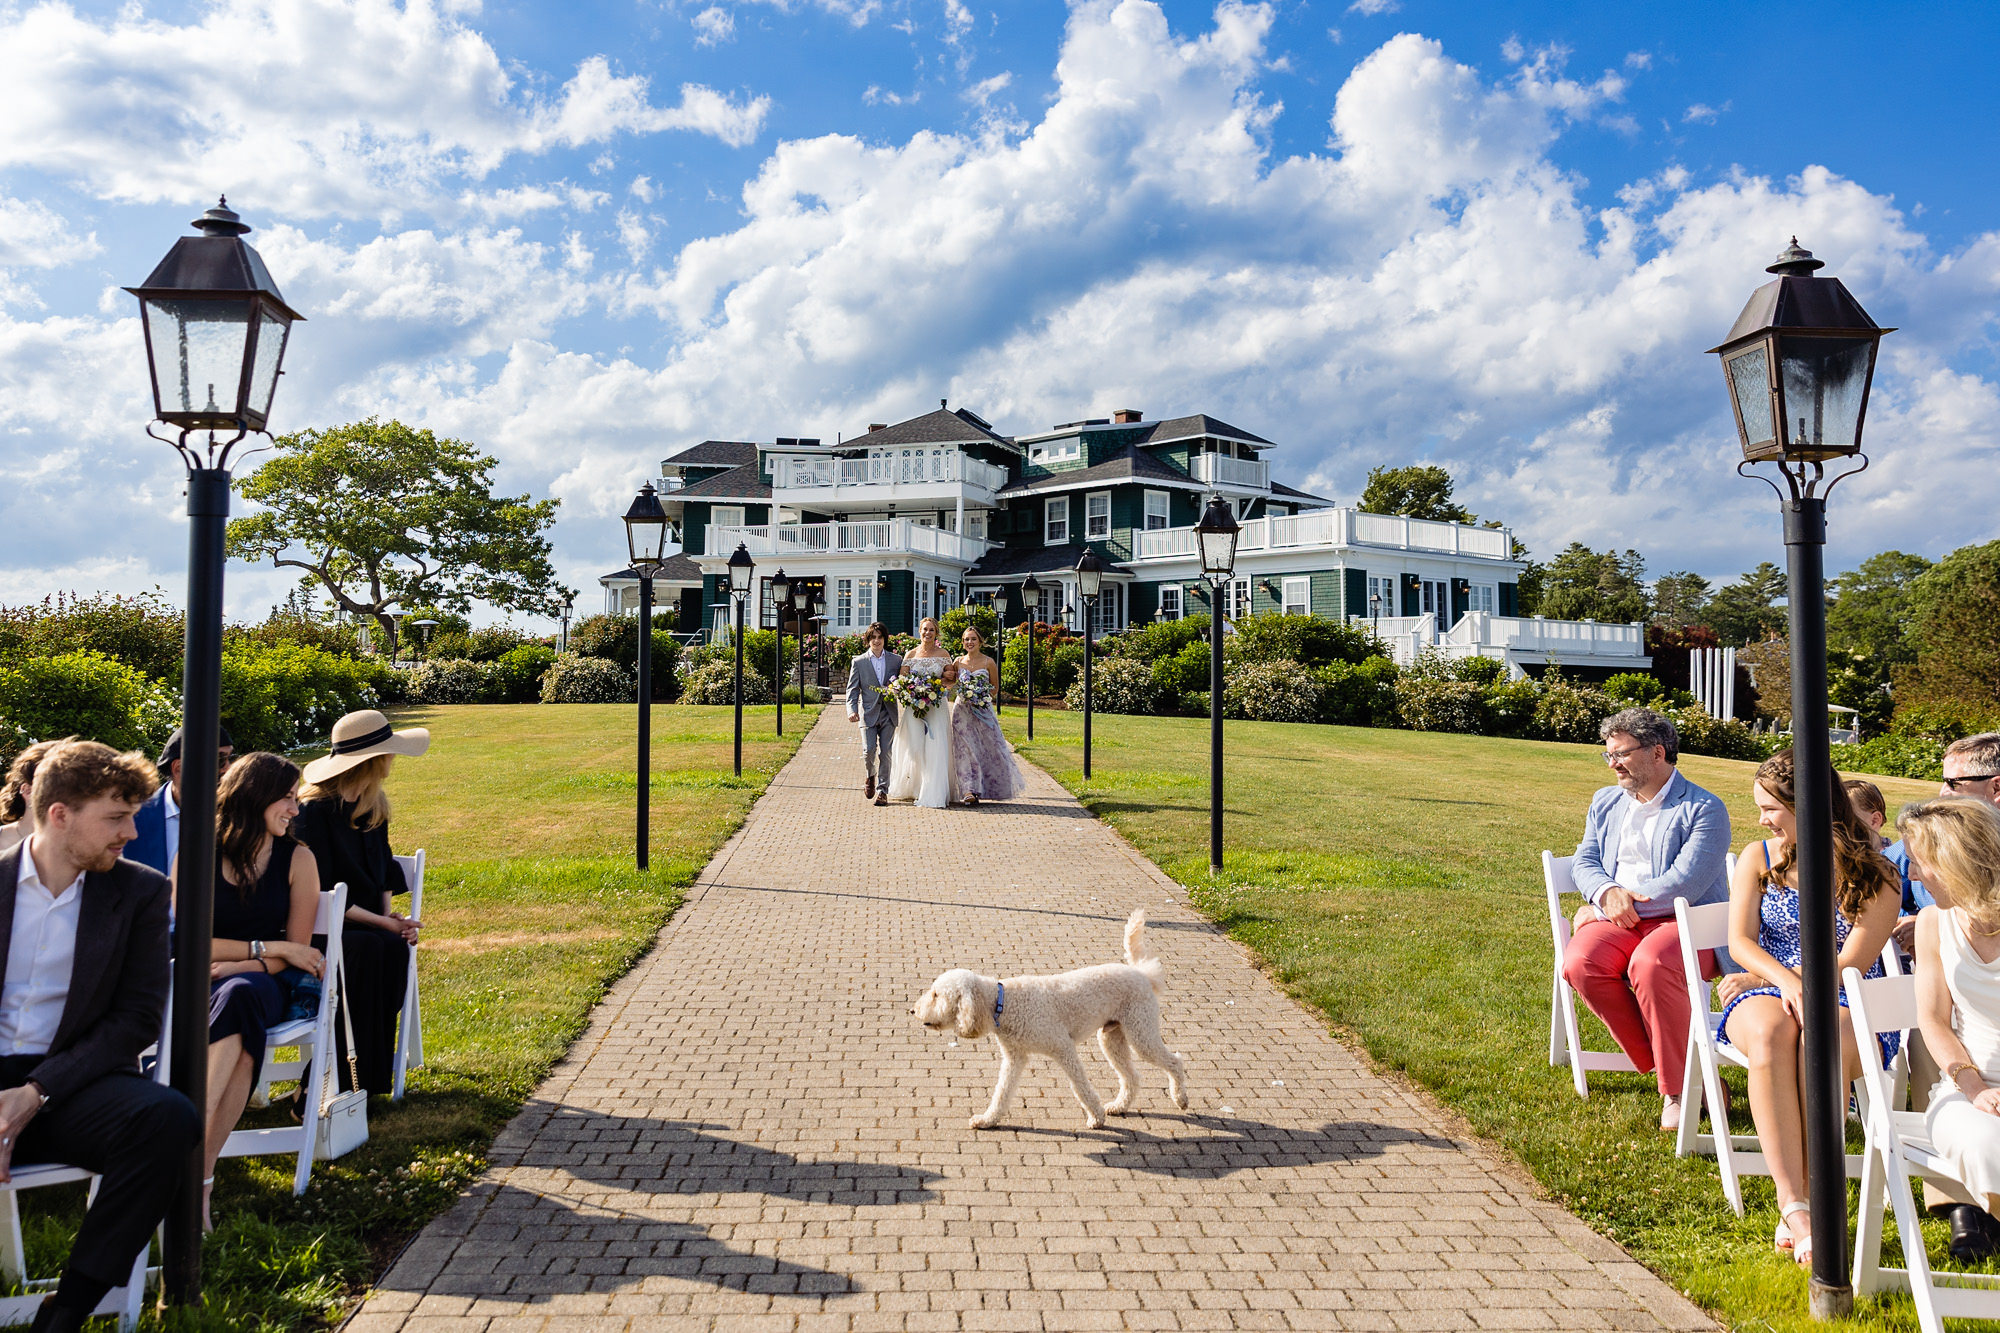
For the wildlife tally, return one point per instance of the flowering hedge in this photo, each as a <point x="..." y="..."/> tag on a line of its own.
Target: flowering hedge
<point x="83" y="694"/>
<point x="1271" y="692"/>
<point x="714" y="682"/>
<point x="576" y="679"/>
<point x="1117" y="685"/>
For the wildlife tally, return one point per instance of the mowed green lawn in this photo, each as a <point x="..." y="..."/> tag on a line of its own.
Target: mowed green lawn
<point x="532" y="907"/>
<point x="1392" y="880"/>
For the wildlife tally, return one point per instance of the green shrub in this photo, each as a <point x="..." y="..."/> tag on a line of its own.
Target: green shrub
<point x="1161" y="638"/>
<point x="1117" y="685"/>
<point x="450" y="680"/>
<point x="291" y="624"/>
<point x="143" y="632"/>
<point x="446" y="646"/>
<point x="1636" y="687"/>
<point x="1944" y="721"/>
<point x="85" y="694"/>
<point x="1720" y="738"/>
<point x="1271" y="692"/>
<point x="493" y="642"/>
<point x="1510" y="706"/>
<point x="1432" y="703"/>
<point x="952" y="626"/>
<point x="1180" y="674"/>
<point x="1065" y="665"/>
<point x="575" y="679"/>
<point x="1571" y="713"/>
<point x="1895" y="756"/>
<point x="714" y="682"/>
<point x="517" y="677"/>
<point x="1358" y="695"/>
<point x="1311" y="641"/>
<point x="284" y="695"/>
<point x="814" y="694"/>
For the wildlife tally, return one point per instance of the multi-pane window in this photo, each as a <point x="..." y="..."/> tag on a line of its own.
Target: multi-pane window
<point x="1481" y="597"/>
<point x="843" y="604"/>
<point x="726" y="516"/>
<point x="767" y="607"/>
<point x="1236" y="599"/>
<point x="1298" y="597"/>
<point x="1097" y="516"/>
<point x="1055" y="521"/>
<point x="1158" y="511"/>
<point x="923" y="598"/>
<point x="1170" y="601"/>
<point x="864" y="602"/>
<point x="1384" y="589"/>
<point x="1105" y="617"/>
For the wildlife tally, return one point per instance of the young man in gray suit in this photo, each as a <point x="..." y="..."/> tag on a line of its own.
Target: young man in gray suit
<point x="866" y="675"/>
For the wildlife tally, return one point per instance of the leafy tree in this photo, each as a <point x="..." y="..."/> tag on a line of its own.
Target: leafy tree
<point x="1955" y="626"/>
<point x="1747" y="610"/>
<point x="1417" y="491"/>
<point x="1679" y="599"/>
<point x="1582" y="584"/>
<point x="384" y="516"/>
<point x="1870" y="607"/>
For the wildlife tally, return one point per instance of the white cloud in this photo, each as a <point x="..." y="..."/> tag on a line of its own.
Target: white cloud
<point x="877" y="95"/>
<point x="713" y="26"/>
<point x="358" y="108"/>
<point x="1703" y="114"/>
<point x="1372" y="7"/>
<point x="1638" y="60"/>
<point x="983" y="92"/>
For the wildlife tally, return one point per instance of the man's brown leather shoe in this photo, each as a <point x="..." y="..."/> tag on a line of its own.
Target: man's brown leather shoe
<point x="868" y="789"/>
<point x="881" y="798"/>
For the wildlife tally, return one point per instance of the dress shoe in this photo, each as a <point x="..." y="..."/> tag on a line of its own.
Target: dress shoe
<point x="1972" y="1234"/>
<point x="881" y="797"/>
<point x="1670" y="1112"/>
<point x="868" y="790"/>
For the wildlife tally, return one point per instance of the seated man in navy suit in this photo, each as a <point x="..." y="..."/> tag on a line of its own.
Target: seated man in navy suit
<point x="159" y="819"/>
<point x="83" y="987"/>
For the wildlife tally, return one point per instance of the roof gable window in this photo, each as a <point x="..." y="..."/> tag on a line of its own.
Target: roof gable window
<point x="1067" y="449"/>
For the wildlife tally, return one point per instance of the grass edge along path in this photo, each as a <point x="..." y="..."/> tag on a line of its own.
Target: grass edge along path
<point x="533" y="911"/>
<point x="1391" y="881"/>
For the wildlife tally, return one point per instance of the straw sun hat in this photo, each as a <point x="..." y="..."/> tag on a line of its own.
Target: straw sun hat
<point x="360" y="736"/>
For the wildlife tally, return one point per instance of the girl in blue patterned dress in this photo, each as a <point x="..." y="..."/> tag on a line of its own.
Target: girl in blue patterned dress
<point x="1763" y="1003"/>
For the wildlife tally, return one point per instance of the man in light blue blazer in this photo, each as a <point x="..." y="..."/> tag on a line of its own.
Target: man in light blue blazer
<point x="1649" y="841"/>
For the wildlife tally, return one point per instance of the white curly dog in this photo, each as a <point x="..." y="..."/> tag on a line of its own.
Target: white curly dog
<point x="1120" y="1002"/>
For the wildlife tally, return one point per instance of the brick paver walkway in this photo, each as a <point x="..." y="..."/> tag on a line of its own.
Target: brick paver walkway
<point x="756" y="1134"/>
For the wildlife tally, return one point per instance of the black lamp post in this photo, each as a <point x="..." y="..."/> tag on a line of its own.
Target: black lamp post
<point x="801" y="599"/>
<point x="216" y="330"/>
<point x="1031" y="602"/>
<point x="1798" y="364"/>
<point x="1375" y="613"/>
<point x="646" y="542"/>
<point x="781" y="592"/>
<point x="1089" y="586"/>
<point x="1215" y="536"/>
<point x="569" y="603"/>
<point x="819" y="636"/>
<point x="424" y="627"/>
<point x="741" y="567"/>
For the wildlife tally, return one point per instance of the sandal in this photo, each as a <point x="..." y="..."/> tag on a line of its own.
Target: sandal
<point x="1781" y="1239"/>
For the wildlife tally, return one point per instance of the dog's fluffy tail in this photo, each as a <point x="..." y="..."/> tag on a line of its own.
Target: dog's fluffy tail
<point x="1136" y="955"/>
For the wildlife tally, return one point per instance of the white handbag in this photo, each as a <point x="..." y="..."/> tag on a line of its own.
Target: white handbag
<point x="343" y="1118"/>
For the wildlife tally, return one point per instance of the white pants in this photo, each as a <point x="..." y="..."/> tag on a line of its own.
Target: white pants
<point x="1970" y="1139"/>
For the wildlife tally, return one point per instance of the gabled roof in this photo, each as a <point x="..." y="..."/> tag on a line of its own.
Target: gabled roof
<point x="1196" y="426"/>
<point x="715" y="453"/>
<point x="676" y="568"/>
<point x="1003" y="562"/>
<point x="739" y="483"/>
<point x="956" y="426"/>
<point x="1128" y="464"/>
<point x="1279" y="488"/>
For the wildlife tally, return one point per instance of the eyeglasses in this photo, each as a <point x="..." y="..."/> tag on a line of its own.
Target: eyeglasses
<point x="1613" y="756"/>
<point x="1952" y="783"/>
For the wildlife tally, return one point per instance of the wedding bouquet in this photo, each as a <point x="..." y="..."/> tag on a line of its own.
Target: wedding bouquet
<point x="973" y="689"/>
<point x="919" y="694"/>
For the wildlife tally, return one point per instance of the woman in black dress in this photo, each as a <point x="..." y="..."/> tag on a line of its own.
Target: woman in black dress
<point x="266" y="895"/>
<point x="345" y="820"/>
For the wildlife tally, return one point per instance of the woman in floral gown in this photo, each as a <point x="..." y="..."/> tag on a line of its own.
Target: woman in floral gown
<point x="983" y="766"/>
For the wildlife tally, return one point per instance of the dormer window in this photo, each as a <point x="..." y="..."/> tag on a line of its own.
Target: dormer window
<point x="1057" y="451"/>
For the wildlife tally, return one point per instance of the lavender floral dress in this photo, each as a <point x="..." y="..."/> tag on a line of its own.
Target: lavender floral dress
<point x="982" y="761"/>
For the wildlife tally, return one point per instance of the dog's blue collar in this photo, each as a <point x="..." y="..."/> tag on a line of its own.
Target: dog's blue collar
<point x="1000" y="1000"/>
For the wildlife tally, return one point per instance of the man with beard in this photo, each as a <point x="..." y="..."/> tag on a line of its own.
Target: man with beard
<point x="83" y="985"/>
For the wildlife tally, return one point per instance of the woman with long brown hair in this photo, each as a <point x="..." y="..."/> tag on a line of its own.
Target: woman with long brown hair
<point x="345" y="820"/>
<point x="17" y="795"/>
<point x="1765" y="1002"/>
<point x="266" y="896"/>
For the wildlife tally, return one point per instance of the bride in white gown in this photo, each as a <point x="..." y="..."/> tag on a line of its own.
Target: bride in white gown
<point x="920" y="764"/>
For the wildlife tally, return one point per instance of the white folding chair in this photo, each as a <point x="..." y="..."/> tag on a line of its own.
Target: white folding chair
<point x="1565" y="1035"/>
<point x="1736" y="1155"/>
<point x="410" y="1025"/>
<point x="125" y="1301"/>
<point x="312" y="1039"/>
<point x="1898" y="1146"/>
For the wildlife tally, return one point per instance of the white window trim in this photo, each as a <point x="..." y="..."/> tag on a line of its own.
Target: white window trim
<point x="1166" y="514"/>
<point x="716" y="512"/>
<point x="1089" y="534"/>
<point x="1303" y="587"/>
<point x="1055" y="504"/>
<point x="1172" y="591"/>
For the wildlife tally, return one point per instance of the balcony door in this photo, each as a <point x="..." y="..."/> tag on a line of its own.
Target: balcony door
<point x="1434" y="600"/>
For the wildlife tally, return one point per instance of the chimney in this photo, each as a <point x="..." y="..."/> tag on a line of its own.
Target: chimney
<point x="1125" y="416"/>
<point x="874" y="426"/>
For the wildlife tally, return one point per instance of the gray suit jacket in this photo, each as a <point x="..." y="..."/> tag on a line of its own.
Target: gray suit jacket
<point x="864" y="695"/>
<point x="118" y="985"/>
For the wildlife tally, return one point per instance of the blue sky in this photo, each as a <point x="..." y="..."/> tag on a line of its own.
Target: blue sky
<point x="1494" y="237"/>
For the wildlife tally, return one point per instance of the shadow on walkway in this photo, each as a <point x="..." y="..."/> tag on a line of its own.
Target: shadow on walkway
<point x="1249" y="1145"/>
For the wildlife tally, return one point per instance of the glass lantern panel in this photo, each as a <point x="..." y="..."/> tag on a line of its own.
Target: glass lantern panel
<point x="1750" y="386"/>
<point x="1218" y="552"/>
<point x="647" y="539"/>
<point x="1825" y="382"/>
<point x="198" y="354"/>
<point x="271" y="334"/>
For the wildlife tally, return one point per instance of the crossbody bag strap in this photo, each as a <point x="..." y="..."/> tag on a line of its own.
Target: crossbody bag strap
<point x="347" y="1026"/>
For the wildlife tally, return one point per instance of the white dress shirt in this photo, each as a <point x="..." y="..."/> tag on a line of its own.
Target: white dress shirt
<point x="881" y="661"/>
<point x="41" y="955"/>
<point x="173" y="813"/>
<point x="1634" y="865"/>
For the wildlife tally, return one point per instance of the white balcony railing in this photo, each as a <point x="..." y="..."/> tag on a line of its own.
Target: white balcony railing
<point x="902" y="468"/>
<point x="1339" y="527"/>
<point x="891" y="536"/>
<point x="1483" y="634"/>
<point x="1222" y="470"/>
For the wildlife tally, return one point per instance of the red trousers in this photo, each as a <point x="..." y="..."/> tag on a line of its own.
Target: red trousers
<point x="1632" y="979"/>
